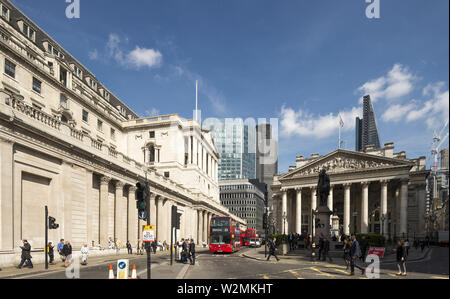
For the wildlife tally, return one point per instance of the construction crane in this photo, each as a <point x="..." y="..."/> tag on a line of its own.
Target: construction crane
<point x="438" y="141"/>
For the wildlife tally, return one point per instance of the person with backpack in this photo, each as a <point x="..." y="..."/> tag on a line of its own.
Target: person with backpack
<point x="273" y="249"/>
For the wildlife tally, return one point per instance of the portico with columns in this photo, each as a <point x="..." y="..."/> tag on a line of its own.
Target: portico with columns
<point x="371" y="192"/>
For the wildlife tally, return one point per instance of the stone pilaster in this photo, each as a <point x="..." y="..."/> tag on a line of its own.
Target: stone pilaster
<point x="119" y="229"/>
<point x="347" y="201"/>
<point x="284" y="213"/>
<point x="365" y="208"/>
<point x="384" y="207"/>
<point x="404" y="207"/>
<point x="298" y="218"/>
<point x="132" y="224"/>
<point x="6" y="194"/>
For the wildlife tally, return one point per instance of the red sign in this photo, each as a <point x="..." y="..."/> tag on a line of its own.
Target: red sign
<point x="377" y="251"/>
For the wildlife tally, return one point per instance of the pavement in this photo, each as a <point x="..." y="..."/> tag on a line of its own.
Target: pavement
<point x="98" y="268"/>
<point x="305" y="255"/>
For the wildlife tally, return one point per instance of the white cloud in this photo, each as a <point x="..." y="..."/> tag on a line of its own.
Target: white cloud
<point x="398" y="82"/>
<point x="433" y="111"/>
<point x="93" y="55"/>
<point x="303" y="124"/>
<point x="137" y="58"/>
<point x="152" y="112"/>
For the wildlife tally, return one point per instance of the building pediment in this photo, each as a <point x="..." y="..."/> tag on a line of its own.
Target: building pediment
<point x="342" y="161"/>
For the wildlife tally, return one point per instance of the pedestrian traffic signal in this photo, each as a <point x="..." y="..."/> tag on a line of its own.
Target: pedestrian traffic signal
<point x="52" y="223"/>
<point x="142" y="199"/>
<point x="175" y="217"/>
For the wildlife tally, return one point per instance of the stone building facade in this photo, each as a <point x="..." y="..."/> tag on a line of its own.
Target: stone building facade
<point x="67" y="142"/>
<point x="375" y="191"/>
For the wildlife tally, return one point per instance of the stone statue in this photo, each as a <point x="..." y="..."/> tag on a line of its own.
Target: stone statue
<point x="323" y="188"/>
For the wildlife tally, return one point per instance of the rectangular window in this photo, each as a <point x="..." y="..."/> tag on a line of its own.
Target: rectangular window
<point x="100" y="125"/>
<point x="63" y="77"/>
<point x="78" y="72"/>
<point x="5" y="13"/>
<point x="85" y="116"/>
<point x="152" y="134"/>
<point x="37" y="85"/>
<point x="63" y="101"/>
<point x="10" y="68"/>
<point x="28" y="32"/>
<point x="167" y="174"/>
<point x="113" y="134"/>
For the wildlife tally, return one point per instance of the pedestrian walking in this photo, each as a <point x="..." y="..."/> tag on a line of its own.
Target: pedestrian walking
<point x="192" y="252"/>
<point x="422" y="245"/>
<point x="154" y="247"/>
<point x="347" y="256"/>
<point x="401" y="259"/>
<point x="84" y="254"/>
<point x="129" y="248"/>
<point x="26" y="255"/>
<point x="117" y="245"/>
<point x="407" y="245"/>
<point x="321" y="245"/>
<point x="67" y="252"/>
<point x="273" y="249"/>
<point x="110" y="243"/>
<point x="50" y="252"/>
<point x="355" y="253"/>
<point x="59" y="248"/>
<point x="364" y="244"/>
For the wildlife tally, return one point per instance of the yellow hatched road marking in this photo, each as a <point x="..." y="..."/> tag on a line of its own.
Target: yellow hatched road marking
<point x="339" y="270"/>
<point x="321" y="273"/>
<point x="295" y="274"/>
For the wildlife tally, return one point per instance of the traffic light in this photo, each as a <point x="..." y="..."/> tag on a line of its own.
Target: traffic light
<point x="175" y="217"/>
<point x="52" y="223"/>
<point x="265" y="221"/>
<point x="142" y="199"/>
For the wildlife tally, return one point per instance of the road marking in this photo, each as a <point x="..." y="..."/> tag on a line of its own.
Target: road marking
<point x="339" y="270"/>
<point x="321" y="273"/>
<point x="295" y="274"/>
<point x="266" y="277"/>
<point x="439" y="277"/>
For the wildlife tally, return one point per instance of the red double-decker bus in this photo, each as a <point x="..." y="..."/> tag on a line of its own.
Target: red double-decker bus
<point x="225" y="237"/>
<point x="250" y="234"/>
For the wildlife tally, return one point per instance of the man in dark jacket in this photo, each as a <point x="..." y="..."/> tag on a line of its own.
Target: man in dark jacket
<point x="26" y="255"/>
<point x="272" y="249"/>
<point x="184" y="252"/>
<point x="321" y="245"/>
<point x="192" y="252"/>
<point x="364" y="244"/>
<point x="154" y="247"/>
<point x="326" y="250"/>
<point x="355" y="253"/>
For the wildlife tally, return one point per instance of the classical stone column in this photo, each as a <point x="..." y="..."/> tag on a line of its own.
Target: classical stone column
<point x="7" y="241"/>
<point x="200" y="227"/>
<point x="160" y="219"/>
<point x="347" y="200"/>
<point x="209" y="223"/>
<point x="365" y="208"/>
<point x="330" y="199"/>
<point x="118" y="213"/>
<point x="298" y="220"/>
<point x="284" y="213"/>
<point x="205" y="225"/>
<point x="132" y="216"/>
<point x="404" y="207"/>
<point x="313" y="207"/>
<point x="384" y="207"/>
<point x="153" y="208"/>
<point x="104" y="238"/>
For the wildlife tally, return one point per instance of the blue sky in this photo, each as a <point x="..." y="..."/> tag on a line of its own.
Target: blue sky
<point x="301" y="61"/>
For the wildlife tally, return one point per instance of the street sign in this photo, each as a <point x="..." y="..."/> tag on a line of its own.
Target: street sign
<point x="377" y="251"/>
<point x="122" y="269"/>
<point x="143" y="215"/>
<point x="148" y="234"/>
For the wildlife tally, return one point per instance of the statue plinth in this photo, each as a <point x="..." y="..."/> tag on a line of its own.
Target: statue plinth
<point x="322" y="222"/>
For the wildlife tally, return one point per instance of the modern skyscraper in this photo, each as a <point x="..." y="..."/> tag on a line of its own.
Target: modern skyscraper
<point x="366" y="128"/>
<point x="266" y="158"/>
<point x="236" y="143"/>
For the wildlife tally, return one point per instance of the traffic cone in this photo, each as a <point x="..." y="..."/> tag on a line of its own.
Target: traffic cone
<point x="133" y="273"/>
<point x="111" y="272"/>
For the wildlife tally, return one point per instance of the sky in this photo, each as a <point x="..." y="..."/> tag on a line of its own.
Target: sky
<point x="303" y="62"/>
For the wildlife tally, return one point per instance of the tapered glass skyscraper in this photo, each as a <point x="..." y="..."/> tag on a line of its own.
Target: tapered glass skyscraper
<point x="366" y="128"/>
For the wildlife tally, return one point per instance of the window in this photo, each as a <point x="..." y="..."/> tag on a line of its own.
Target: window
<point x="113" y="134"/>
<point x="167" y="174"/>
<point x="93" y="84"/>
<point x="37" y="85"/>
<point x="78" y="72"/>
<point x="85" y="116"/>
<point x="53" y="51"/>
<point x="63" y="101"/>
<point x="152" y="154"/>
<point x="100" y="125"/>
<point x="152" y="134"/>
<point x="5" y="13"/>
<point x="28" y="32"/>
<point x="10" y="68"/>
<point x="63" y="77"/>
